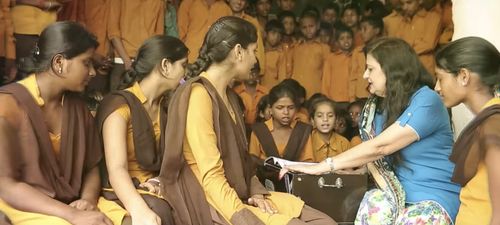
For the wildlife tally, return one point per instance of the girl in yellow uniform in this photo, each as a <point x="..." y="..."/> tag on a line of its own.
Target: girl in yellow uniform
<point x="50" y="149"/>
<point x="468" y="71"/>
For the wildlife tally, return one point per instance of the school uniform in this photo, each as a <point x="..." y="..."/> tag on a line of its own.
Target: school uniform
<point x="336" y="76"/>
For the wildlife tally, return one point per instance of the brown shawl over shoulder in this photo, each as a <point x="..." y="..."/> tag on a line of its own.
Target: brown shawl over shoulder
<point x="183" y="191"/>
<point x="470" y="148"/>
<point x="298" y="139"/>
<point x="28" y="155"/>
<point x="148" y="153"/>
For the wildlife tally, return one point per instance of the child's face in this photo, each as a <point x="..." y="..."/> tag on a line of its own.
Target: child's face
<point x="368" y="32"/>
<point x="324" y="118"/>
<point x="273" y="38"/>
<point x="237" y="6"/>
<point x="329" y="16"/>
<point x="283" y="111"/>
<point x="350" y="18"/>
<point x="289" y="25"/>
<point x="287" y="5"/>
<point x="340" y="125"/>
<point x="355" y="112"/>
<point x="345" y="42"/>
<point x="410" y="7"/>
<point x="263" y="7"/>
<point x="324" y="36"/>
<point x="308" y="27"/>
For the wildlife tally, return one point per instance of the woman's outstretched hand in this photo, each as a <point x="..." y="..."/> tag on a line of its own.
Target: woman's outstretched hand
<point x="315" y="169"/>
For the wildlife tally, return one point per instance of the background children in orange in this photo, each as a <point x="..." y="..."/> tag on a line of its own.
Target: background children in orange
<point x="335" y="82"/>
<point x="7" y="45"/>
<point x="276" y="57"/>
<point x="372" y="27"/>
<point x="417" y="26"/>
<point x="309" y="55"/>
<point x="250" y="92"/>
<point x="326" y="143"/>
<point x="350" y="17"/>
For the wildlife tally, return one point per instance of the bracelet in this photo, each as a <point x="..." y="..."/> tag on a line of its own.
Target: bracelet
<point x="329" y="161"/>
<point x="50" y="6"/>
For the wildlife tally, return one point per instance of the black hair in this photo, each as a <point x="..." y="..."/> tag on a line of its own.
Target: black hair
<point x="472" y="53"/>
<point x="333" y="6"/>
<point x="284" y="14"/>
<point x="315" y="102"/>
<point x="375" y="22"/>
<point x="377" y="9"/>
<point x="343" y="114"/>
<point x="280" y="91"/>
<point x="220" y="39"/>
<point x="275" y="25"/>
<point x="341" y="28"/>
<point x="294" y="85"/>
<point x="69" y="39"/>
<point x="150" y="55"/>
<point x="353" y="7"/>
<point x="261" y="106"/>
<point x="326" y="27"/>
<point x="310" y="12"/>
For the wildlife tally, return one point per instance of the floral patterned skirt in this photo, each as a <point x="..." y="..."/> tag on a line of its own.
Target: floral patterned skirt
<point x="376" y="209"/>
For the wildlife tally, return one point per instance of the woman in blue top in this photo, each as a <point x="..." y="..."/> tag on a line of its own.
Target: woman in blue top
<point x="411" y="130"/>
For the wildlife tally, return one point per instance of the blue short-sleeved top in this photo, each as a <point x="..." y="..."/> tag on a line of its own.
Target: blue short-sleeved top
<point x="425" y="170"/>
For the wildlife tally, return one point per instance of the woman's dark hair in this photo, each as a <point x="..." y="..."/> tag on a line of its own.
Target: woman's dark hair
<point x="317" y="102"/>
<point x="220" y="39"/>
<point x="67" y="38"/>
<point x="280" y="91"/>
<point x="474" y="54"/>
<point x="261" y="106"/>
<point x="404" y="74"/>
<point x="150" y="55"/>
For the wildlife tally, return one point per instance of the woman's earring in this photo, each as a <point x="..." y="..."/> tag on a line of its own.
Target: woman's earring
<point x="60" y="70"/>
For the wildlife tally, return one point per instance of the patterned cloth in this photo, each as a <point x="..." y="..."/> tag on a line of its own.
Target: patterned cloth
<point x="376" y="208"/>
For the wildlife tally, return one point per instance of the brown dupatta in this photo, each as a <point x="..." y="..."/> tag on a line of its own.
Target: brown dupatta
<point x="470" y="149"/>
<point x="61" y="176"/>
<point x="148" y="153"/>
<point x="183" y="191"/>
<point x="298" y="139"/>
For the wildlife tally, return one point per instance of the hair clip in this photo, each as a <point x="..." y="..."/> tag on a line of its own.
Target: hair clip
<point x="218" y="26"/>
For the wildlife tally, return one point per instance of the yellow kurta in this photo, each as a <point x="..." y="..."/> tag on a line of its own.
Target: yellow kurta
<point x="422" y="33"/>
<point x="257" y="150"/>
<point x="308" y="59"/>
<point x="194" y="18"/>
<point x="336" y="77"/>
<point x="356" y="140"/>
<point x="475" y="201"/>
<point x="357" y="84"/>
<point x="322" y="150"/>
<point x="204" y="159"/>
<point x="133" y="166"/>
<point x="250" y="101"/>
<point x="112" y="210"/>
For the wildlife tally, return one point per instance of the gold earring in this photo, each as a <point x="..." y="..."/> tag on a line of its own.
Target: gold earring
<point x="60" y="70"/>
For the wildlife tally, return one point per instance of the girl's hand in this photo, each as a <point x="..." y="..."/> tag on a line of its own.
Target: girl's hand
<point x="83" y="204"/>
<point x="145" y="217"/>
<point x="264" y="204"/>
<point x="152" y="185"/>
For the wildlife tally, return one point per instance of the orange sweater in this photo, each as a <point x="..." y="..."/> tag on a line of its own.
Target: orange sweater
<point x="336" y="78"/>
<point x="194" y="18"/>
<point x="422" y="32"/>
<point x="357" y="84"/>
<point x="308" y="59"/>
<point x="135" y="21"/>
<point x="95" y="17"/>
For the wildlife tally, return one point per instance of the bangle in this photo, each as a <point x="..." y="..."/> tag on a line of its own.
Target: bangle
<point x="48" y="7"/>
<point x="329" y="161"/>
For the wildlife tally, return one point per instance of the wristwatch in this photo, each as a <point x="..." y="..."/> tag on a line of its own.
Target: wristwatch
<point x="329" y="161"/>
